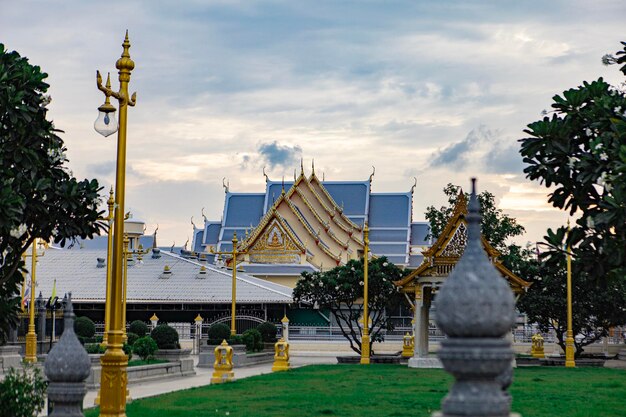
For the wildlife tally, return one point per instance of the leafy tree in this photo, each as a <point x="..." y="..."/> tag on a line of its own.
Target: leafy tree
<point x="145" y="347"/>
<point x="580" y="151"/>
<point x="596" y="307"/>
<point x="341" y="291"/>
<point x="496" y="227"/>
<point x="39" y="197"/>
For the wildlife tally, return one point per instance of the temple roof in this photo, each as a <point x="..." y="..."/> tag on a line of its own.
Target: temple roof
<point x="442" y="256"/>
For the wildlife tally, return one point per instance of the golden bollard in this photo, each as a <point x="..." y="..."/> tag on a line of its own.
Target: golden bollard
<point x="223" y="364"/>
<point x="536" y="349"/>
<point x="281" y="356"/>
<point x="408" y="346"/>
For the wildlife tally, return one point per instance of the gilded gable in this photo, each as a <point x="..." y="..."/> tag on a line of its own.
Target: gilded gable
<point x="274" y="246"/>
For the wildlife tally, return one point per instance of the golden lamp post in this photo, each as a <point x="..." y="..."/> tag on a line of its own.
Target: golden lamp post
<point x="569" y="339"/>
<point x="113" y="380"/>
<point x="31" y="336"/>
<point x="365" y="339"/>
<point x="107" y="304"/>
<point x="234" y="254"/>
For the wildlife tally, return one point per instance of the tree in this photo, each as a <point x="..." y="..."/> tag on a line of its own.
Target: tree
<point x="595" y="307"/>
<point x="39" y="197"/>
<point x="496" y="226"/>
<point x="581" y="151"/>
<point x="341" y="291"/>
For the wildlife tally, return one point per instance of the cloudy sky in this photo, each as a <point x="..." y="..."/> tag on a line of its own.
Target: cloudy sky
<point x="440" y="90"/>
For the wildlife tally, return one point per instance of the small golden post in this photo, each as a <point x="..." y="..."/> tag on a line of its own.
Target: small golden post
<point x="365" y="339"/>
<point x="107" y="304"/>
<point x="31" y="336"/>
<point x="569" y="339"/>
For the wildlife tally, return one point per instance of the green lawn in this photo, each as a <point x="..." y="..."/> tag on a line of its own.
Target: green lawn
<point x="385" y="390"/>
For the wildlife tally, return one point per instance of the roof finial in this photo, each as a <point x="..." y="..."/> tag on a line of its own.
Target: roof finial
<point x="373" y="172"/>
<point x="294" y="175"/>
<point x="414" y="184"/>
<point x="192" y="223"/>
<point x="313" y="166"/>
<point x="301" y="166"/>
<point x="323" y="176"/>
<point x="154" y="235"/>
<point x="203" y="216"/>
<point x="267" y="179"/>
<point x="185" y="247"/>
<point x="283" y="185"/>
<point x="226" y="185"/>
<point x="172" y="248"/>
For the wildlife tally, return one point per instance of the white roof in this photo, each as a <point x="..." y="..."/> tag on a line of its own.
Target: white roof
<point x="76" y="270"/>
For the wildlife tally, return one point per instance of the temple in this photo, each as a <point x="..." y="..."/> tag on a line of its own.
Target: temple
<point x="311" y="224"/>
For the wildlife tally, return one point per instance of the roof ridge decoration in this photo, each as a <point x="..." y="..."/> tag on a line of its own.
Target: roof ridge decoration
<point x="335" y="208"/>
<point x="325" y="225"/>
<point x="441" y="258"/>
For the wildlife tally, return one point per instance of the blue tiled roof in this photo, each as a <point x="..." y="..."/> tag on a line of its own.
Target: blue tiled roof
<point x="415" y="260"/>
<point x="212" y="233"/>
<point x="353" y="196"/>
<point x="227" y="234"/>
<point x="197" y="241"/>
<point x="419" y="231"/>
<point x="398" y="260"/>
<point x="388" y="249"/>
<point x="386" y="235"/>
<point x="390" y="210"/>
<point x="243" y="209"/>
<point x="273" y="191"/>
<point x="276" y="269"/>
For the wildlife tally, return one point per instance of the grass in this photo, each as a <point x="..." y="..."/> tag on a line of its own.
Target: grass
<point x="385" y="390"/>
<point x="139" y="362"/>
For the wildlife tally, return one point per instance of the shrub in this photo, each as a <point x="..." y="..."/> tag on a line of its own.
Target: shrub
<point x="128" y="350"/>
<point x="145" y="347"/>
<point x="234" y="340"/>
<point x="94" y="348"/>
<point x="131" y="338"/>
<point x="268" y="332"/>
<point x="22" y="393"/>
<point x="139" y="328"/>
<point x="166" y="337"/>
<point x="84" y="328"/>
<point x="219" y="332"/>
<point x="253" y="341"/>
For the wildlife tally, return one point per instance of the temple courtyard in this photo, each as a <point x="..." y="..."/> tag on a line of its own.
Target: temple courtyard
<point x="377" y="390"/>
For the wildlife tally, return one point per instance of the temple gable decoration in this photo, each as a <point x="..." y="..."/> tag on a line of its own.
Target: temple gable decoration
<point x="274" y="245"/>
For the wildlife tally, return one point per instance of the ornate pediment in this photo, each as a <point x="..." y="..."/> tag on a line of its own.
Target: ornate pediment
<point x="455" y="246"/>
<point x="274" y="245"/>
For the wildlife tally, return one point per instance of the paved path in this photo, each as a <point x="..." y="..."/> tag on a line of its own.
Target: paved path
<point x="203" y="377"/>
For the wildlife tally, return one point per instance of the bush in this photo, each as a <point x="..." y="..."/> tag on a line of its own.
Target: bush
<point x="234" y="340"/>
<point x="268" y="332"/>
<point x="253" y="341"/>
<point x="128" y="350"/>
<point x="219" y="331"/>
<point x="131" y="338"/>
<point x="84" y="328"/>
<point x="145" y="347"/>
<point x="22" y="393"/>
<point x="166" y="337"/>
<point x="139" y="328"/>
<point x="94" y="348"/>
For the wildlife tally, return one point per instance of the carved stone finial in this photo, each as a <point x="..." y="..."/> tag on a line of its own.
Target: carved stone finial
<point x="475" y="309"/>
<point x="67" y="366"/>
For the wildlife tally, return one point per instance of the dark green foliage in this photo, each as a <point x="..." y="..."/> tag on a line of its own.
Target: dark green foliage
<point x="234" y="340"/>
<point x="84" y="328"/>
<point x="253" y="341"/>
<point x="94" y="348"/>
<point x="39" y="197"/>
<point x="139" y="328"/>
<point x="145" y="347"/>
<point x="128" y="349"/>
<point x="268" y="332"/>
<point x="218" y="332"/>
<point x="580" y="153"/>
<point x="166" y="337"/>
<point x="22" y="392"/>
<point x="339" y="289"/>
<point x="131" y="338"/>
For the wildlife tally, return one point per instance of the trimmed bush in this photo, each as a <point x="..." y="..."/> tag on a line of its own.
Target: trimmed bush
<point x="234" y="340"/>
<point x="139" y="328"/>
<point x="94" y="348"/>
<point x="145" y="347"/>
<point x="253" y="341"/>
<point x="132" y="338"/>
<point x="166" y="337"/>
<point x="84" y="328"/>
<point x="128" y="350"/>
<point x="218" y="332"/>
<point x="268" y="332"/>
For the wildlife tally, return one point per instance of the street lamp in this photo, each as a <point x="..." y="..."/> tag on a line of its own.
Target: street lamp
<point x="109" y="218"/>
<point x="31" y="336"/>
<point x="113" y="380"/>
<point x="365" y="339"/>
<point x="234" y="254"/>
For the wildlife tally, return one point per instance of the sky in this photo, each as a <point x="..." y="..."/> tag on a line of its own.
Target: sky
<point x="438" y="90"/>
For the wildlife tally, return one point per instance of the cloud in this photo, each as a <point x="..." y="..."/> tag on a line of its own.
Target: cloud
<point x="275" y="154"/>
<point x="459" y="154"/>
